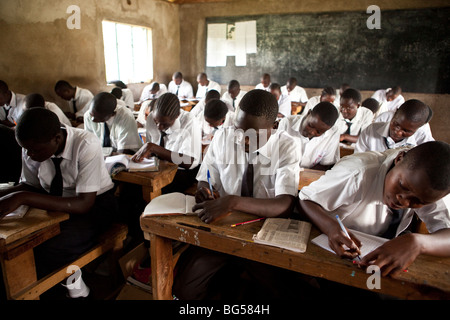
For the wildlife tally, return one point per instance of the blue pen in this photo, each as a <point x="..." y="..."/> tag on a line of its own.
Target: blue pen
<point x="345" y="231"/>
<point x="210" y="185"/>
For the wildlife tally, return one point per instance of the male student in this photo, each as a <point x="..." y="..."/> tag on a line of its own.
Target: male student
<point x="35" y="100"/>
<point x="390" y="99"/>
<point x="284" y="102"/>
<point x="205" y="85"/>
<point x="12" y="105"/>
<point x="62" y="170"/>
<point x="296" y="93"/>
<point x="215" y="117"/>
<point x="316" y="135"/>
<point x="113" y="124"/>
<point x="153" y="91"/>
<point x="265" y="82"/>
<point x="199" y="108"/>
<point x="254" y="170"/>
<point x="339" y="92"/>
<point x="233" y="96"/>
<point x="79" y="99"/>
<point x="328" y="94"/>
<point x="352" y="118"/>
<point x="379" y="193"/>
<point x="127" y="94"/>
<point x="373" y="105"/>
<point x="399" y="132"/>
<point x="180" y="87"/>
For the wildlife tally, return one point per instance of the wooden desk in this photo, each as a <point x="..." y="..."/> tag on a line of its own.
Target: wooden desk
<point x="346" y="150"/>
<point x="296" y="108"/>
<point x="309" y="175"/>
<point x="151" y="182"/>
<point x="427" y="278"/>
<point x="18" y="237"/>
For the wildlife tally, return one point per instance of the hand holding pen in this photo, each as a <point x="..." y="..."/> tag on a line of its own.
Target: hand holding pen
<point x="340" y="238"/>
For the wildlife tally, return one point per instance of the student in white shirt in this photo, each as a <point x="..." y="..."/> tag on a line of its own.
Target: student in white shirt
<point x="180" y="87"/>
<point x="284" y="102"/>
<point x="233" y="96"/>
<point x="199" y="108"/>
<point x="379" y="193"/>
<point x="153" y="91"/>
<point x="373" y="105"/>
<point x="12" y="105"/>
<point x="265" y="82"/>
<point x="328" y="94"/>
<point x="144" y="111"/>
<point x="126" y="94"/>
<point x="316" y="134"/>
<point x="205" y="85"/>
<point x="399" y="132"/>
<point x="36" y="100"/>
<point x="296" y="93"/>
<point x="390" y="99"/>
<point x="119" y="94"/>
<point x="339" y="92"/>
<point x="215" y="117"/>
<point x="79" y="99"/>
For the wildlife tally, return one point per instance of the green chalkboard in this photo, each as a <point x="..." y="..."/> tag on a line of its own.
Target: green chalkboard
<point x="412" y="50"/>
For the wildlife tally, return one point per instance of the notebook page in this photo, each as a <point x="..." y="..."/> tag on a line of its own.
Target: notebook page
<point x="171" y="203"/>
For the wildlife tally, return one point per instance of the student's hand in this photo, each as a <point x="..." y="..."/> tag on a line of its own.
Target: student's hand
<point x="338" y="240"/>
<point x="343" y="137"/>
<point x="394" y="256"/>
<point x="214" y="209"/>
<point x="204" y="194"/>
<point x="145" y="152"/>
<point x="9" y="203"/>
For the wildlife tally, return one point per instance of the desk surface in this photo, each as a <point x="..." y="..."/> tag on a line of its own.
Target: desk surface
<point x="427" y="278"/>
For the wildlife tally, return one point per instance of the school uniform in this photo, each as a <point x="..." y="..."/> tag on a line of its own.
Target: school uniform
<point x="128" y="98"/>
<point x="122" y="127"/>
<point x="322" y="150"/>
<point x="207" y="130"/>
<point x="141" y="115"/>
<point x="147" y="95"/>
<point x="81" y="102"/>
<point x="184" y="90"/>
<point x="14" y="109"/>
<point x="353" y="189"/>
<point x="233" y="104"/>
<point x="298" y="94"/>
<point x="203" y="90"/>
<point x="360" y="121"/>
<point x="284" y="105"/>
<point x="380" y="96"/>
<point x="57" y="110"/>
<point x="260" y="86"/>
<point x="312" y="102"/>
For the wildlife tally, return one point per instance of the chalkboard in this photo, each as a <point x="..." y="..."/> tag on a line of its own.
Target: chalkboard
<point x="411" y="50"/>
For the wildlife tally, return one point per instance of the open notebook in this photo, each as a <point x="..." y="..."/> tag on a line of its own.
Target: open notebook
<point x="121" y="162"/>
<point x="170" y="204"/>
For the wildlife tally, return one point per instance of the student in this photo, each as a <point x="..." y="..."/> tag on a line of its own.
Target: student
<point x="379" y="193"/>
<point x="296" y="93"/>
<point x="390" y="99"/>
<point x="144" y="111"/>
<point x="265" y="82"/>
<point x="373" y="105"/>
<point x="205" y="85"/>
<point x="173" y="135"/>
<point x="35" y="100"/>
<point x="352" y="118"/>
<point x="215" y="117"/>
<point x="113" y="124"/>
<point x="12" y="105"/>
<point x="328" y="94"/>
<point x="127" y="95"/>
<point x="199" y="108"/>
<point x="339" y="92"/>
<point x="153" y="91"/>
<point x="233" y="96"/>
<point x="78" y="98"/>
<point x="118" y="93"/>
<point x="257" y="176"/>
<point x="399" y="132"/>
<point x="316" y="134"/>
<point x="284" y="102"/>
<point x="62" y="170"/>
<point x="180" y="87"/>
<point x="11" y="161"/>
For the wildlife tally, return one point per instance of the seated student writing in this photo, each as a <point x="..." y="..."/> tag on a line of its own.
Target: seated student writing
<point x="316" y="135"/>
<point x="328" y="94"/>
<point x="296" y="93"/>
<point x="35" y="100"/>
<point x="79" y="99"/>
<point x="180" y="87"/>
<point x="144" y="111"/>
<point x="62" y="170"/>
<point x="233" y="96"/>
<point x="265" y="82"/>
<point x="215" y="116"/>
<point x="284" y="102"/>
<point x="12" y="105"/>
<point x="378" y="193"/>
<point x="373" y="105"/>
<point x="199" y="108"/>
<point x="353" y="118"/>
<point x="126" y="94"/>
<point x="153" y="91"/>
<point x="205" y="85"/>
<point x="399" y="132"/>
<point x="390" y="99"/>
<point x="113" y="124"/>
<point x="173" y="135"/>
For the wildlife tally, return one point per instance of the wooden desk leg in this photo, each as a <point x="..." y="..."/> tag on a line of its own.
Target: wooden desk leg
<point x="149" y="194"/>
<point x="162" y="270"/>
<point x="19" y="272"/>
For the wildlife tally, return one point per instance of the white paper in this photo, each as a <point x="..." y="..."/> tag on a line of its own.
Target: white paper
<point x="216" y="51"/>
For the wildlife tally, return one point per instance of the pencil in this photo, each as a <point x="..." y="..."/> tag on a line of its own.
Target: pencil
<point x="246" y="222"/>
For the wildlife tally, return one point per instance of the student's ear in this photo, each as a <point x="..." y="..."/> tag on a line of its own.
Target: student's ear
<point x="399" y="157"/>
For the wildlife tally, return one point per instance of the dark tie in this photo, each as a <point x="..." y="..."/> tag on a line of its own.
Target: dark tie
<point x="386" y="142"/>
<point x="161" y="140"/>
<point x="74" y="106"/>
<point x="178" y="89"/>
<point x="56" y="188"/>
<point x="247" y="182"/>
<point x="6" y="112"/>
<point x="106" y="137"/>
<point x="234" y="107"/>
<point x="349" y="124"/>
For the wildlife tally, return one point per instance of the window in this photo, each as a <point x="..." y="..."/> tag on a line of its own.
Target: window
<point x="128" y="52"/>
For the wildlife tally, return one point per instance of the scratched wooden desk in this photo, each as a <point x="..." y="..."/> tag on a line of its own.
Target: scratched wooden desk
<point x="151" y="182"/>
<point x="18" y="237"/>
<point x="427" y="278"/>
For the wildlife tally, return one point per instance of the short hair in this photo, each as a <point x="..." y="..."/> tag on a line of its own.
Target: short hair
<point x="328" y="91"/>
<point x="415" y="111"/>
<point x="34" y="100"/>
<point x="275" y="86"/>
<point x="234" y="84"/>
<point x="119" y="84"/>
<point x="104" y="103"/>
<point x="260" y="103"/>
<point x="62" y="85"/>
<point x="37" y="124"/>
<point x="215" y="109"/>
<point x="396" y="90"/>
<point x="371" y="104"/>
<point x="292" y="80"/>
<point x="212" y="94"/>
<point x="177" y="75"/>
<point x="437" y="166"/>
<point x="327" y="112"/>
<point x="117" y="92"/>
<point x="168" y="105"/>
<point x="3" y="87"/>
<point x="353" y="94"/>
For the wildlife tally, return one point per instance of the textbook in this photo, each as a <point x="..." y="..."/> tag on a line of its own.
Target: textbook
<point x="175" y="203"/>
<point x="18" y="213"/>
<point x="123" y="162"/>
<point x="284" y="233"/>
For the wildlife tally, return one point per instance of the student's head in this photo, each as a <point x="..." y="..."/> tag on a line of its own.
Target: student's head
<point x="234" y="88"/>
<point x="38" y="131"/>
<point x="34" y="100"/>
<point x="265" y="80"/>
<point x="117" y="92"/>
<point x="275" y="89"/>
<point x="5" y="93"/>
<point x="343" y="87"/>
<point x="371" y="104"/>
<point x="328" y="94"/>
<point x="393" y="93"/>
<point x="177" y="78"/>
<point x="350" y="102"/>
<point x="165" y="111"/>
<point x="103" y="107"/>
<point x="155" y="88"/>
<point x="318" y="120"/>
<point x="119" y="84"/>
<point x="65" y="90"/>
<point x="202" y="79"/>
<point x="215" y="112"/>
<point x="291" y="84"/>
<point x="409" y="117"/>
<point x="212" y="94"/>
<point x="419" y="177"/>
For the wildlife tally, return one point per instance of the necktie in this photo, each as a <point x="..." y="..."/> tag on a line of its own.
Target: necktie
<point x="56" y="188"/>
<point x="74" y="106"/>
<point x="247" y="181"/>
<point x="6" y="112"/>
<point x="106" y="137"/>
<point x="234" y="107"/>
<point x="349" y="124"/>
<point x="178" y="89"/>
<point x="161" y="140"/>
<point x="386" y="142"/>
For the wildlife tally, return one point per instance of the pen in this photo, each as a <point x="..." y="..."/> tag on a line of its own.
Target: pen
<point x="246" y="222"/>
<point x="210" y="185"/>
<point x="345" y="231"/>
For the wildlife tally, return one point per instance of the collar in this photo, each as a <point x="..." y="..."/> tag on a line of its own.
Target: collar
<point x="67" y="152"/>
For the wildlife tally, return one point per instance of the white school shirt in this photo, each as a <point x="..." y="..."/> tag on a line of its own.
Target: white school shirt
<point x="83" y="97"/>
<point x="312" y="102"/>
<point x="202" y="90"/>
<point x="322" y="150"/>
<point x="360" y="121"/>
<point x="184" y="91"/>
<point x="141" y="115"/>
<point x="122" y="128"/>
<point x="183" y="137"/>
<point x="128" y="98"/>
<point x="284" y="105"/>
<point x="147" y="95"/>
<point x="260" y="86"/>
<point x="56" y="110"/>
<point x="229" y="101"/>
<point x="380" y="96"/>
<point x="376" y="138"/>
<point x="296" y="95"/>
<point x="16" y="107"/>
<point x="83" y="168"/>
<point x="208" y="130"/>
<point x="276" y="169"/>
<point x="353" y="189"/>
